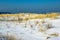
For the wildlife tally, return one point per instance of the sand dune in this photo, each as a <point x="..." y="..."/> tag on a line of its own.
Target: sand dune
<point x="31" y="29"/>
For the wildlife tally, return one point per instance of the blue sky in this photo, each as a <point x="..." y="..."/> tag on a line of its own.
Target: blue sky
<point x="34" y="6"/>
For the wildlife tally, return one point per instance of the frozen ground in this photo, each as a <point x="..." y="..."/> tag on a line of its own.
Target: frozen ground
<point x="35" y="29"/>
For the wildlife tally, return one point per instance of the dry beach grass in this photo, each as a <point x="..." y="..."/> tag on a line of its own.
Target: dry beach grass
<point x="28" y="22"/>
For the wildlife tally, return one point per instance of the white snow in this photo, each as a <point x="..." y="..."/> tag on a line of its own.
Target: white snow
<point x="29" y="30"/>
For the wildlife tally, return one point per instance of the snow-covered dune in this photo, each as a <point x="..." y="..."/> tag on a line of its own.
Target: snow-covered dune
<point x="35" y="29"/>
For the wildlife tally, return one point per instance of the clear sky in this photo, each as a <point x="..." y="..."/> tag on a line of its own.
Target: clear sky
<point x="35" y="6"/>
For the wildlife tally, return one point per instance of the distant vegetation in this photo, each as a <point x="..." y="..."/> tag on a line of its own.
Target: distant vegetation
<point x="27" y="16"/>
<point x="5" y="12"/>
